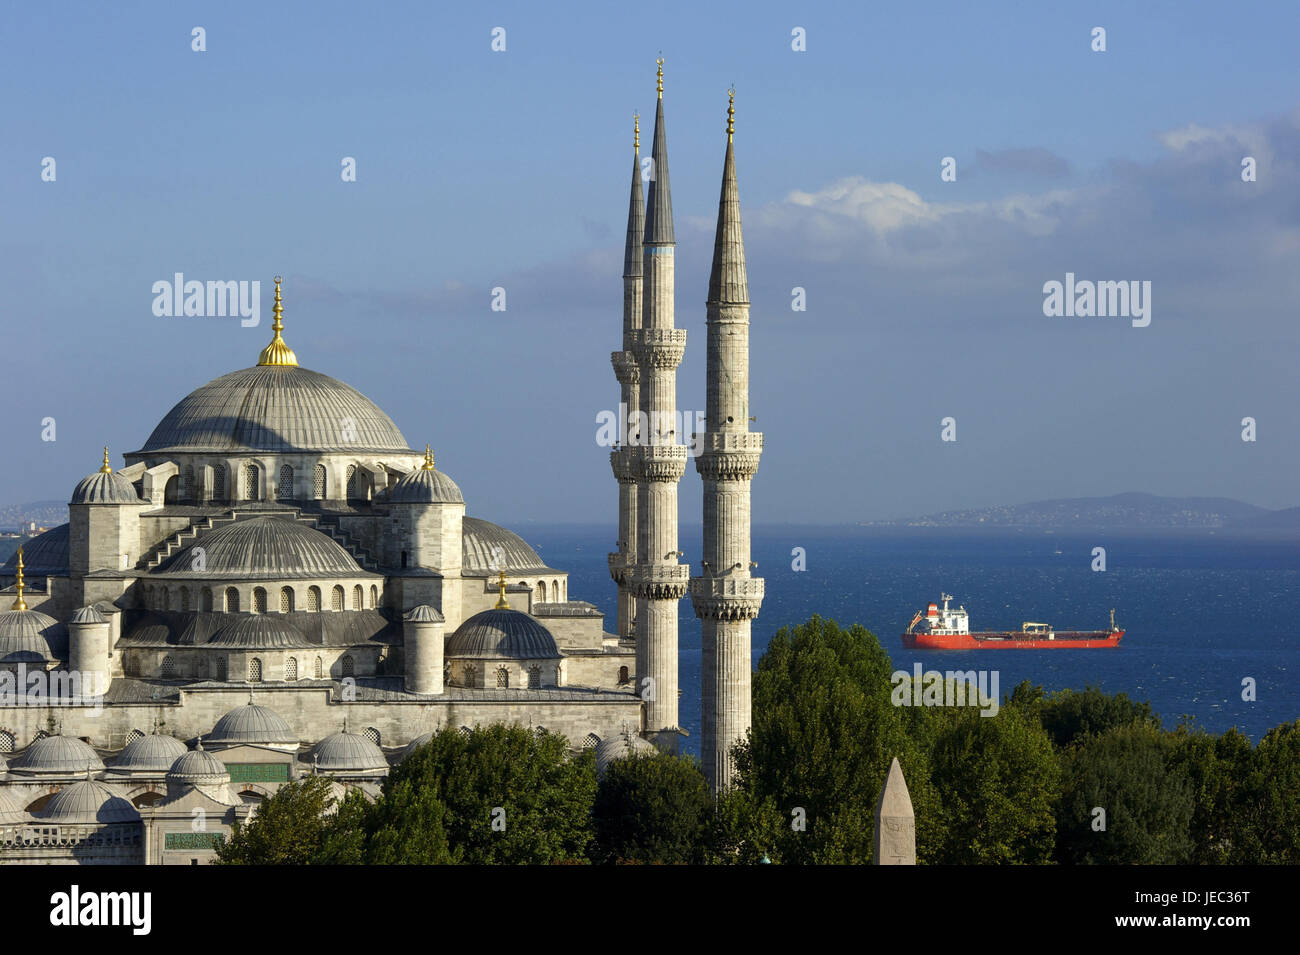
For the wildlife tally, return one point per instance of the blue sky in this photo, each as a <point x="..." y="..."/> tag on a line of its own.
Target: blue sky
<point x="478" y="169"/>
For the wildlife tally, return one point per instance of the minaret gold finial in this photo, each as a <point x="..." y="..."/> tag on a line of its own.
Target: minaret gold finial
<point x="731" y="112"/>
<point x="428" y="459"/>
<point x="502" y="603"/>
<point x="19" y="603"/>
<point x="106" y="468"/>
<point x="636" y="132"/>
<point x="660" y="61"/>
<point x="277" y="353"/>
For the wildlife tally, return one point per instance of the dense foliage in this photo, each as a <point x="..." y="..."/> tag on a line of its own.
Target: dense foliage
<point x="1067" y="777"/>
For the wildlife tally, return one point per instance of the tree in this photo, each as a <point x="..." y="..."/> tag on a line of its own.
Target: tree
<point x="1272" y="799"/>
<point x="653" y="808"/>
<point x="1147" y="799"/>
<point x="289" y="827"/>
<point x="501" y="794"/>
<point x="1219" y="770"/>
<point x="824" y="734"/>
<point x="1069" y="715"/>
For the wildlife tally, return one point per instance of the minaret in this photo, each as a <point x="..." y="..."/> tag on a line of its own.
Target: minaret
<point x="623" y="458"/>
<point x="658" y="581"/>
<point x="725" y="596"/>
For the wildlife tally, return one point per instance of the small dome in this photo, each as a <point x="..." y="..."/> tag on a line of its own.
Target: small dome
<point x="198" y="767"/>
<point x="149" y="754"/>
<point x="105" y="488"/>
<point x="620" y="746"/>
<point x="251" y="723"/>
<point x="89" y="615"/>
<point x="262" y="548"/>
<point x="424" y="614"/>
<point x="260" y="632"/>
<point x="88" y="801"/>
<point x="348" y="753"/>
<point x="482" y="541"/>
<point x="58" y="756"/>
<point x="29" y="636"/>
<point x="45" y="555"/>
<point x="425" y="486"/>
<point x="416" y="743"/>
<point x="502" y="633"/>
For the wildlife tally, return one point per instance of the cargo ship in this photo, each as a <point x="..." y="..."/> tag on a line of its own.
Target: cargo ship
<point x="941" y="628"/>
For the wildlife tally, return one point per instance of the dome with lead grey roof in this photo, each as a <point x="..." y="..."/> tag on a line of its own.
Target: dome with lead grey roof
<point x="89" y="614"/>
<point x="262" y="548"/>
<point x="282" y="409"/>
<point x="621" y="746"/>
<point x="348" y="753"/>
<point x="416" y="743"/>
<point x="198" y="767"/>
<point x="260" y="632"/>
<point x="105" y="488"/>
<point x="149" y="754"/>
<point x="29" y="636"/>
<point x="44" y="555"/>
<point x="423" y="614"/>
<point x="497" y="634"/>
<point x="88" y="801"/>
<point x="480" y="541"/>
<point x="425" y="485"/>
<point x="251" y="723"/>
<point x="57" y="756"/>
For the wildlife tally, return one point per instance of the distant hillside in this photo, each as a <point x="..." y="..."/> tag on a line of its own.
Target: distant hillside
<point x="1133" y="511"/>
<point x="46" y="513"/>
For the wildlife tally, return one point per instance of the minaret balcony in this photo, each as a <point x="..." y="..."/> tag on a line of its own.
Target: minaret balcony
<point x="659" y="581"/>
<point x="727" y="598"/>
<point x="663" y="462"/>
<point x="662" y="347"/>
<point x="619" y="566"/>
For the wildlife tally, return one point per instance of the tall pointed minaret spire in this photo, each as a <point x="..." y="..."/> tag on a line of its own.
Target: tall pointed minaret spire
<point x="277" y="352"/>
<point x="658" y="581"/>
<point x="726" y="598"/>
<point x="623" y="459"/>
<point x="19" y="603"/>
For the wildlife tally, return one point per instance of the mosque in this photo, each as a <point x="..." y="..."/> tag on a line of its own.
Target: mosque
<point x="276" y="584"/>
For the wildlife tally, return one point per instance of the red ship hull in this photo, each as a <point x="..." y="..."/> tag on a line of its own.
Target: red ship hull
<point x="1013" y="640"/>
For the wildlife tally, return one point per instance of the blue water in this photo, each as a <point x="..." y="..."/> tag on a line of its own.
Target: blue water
<point x="1201" y="612"/>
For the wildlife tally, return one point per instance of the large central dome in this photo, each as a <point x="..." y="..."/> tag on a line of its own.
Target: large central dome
<point x="276" y="408"/>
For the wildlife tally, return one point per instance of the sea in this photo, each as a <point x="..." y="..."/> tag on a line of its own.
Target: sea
<point x="1207" y="617"/>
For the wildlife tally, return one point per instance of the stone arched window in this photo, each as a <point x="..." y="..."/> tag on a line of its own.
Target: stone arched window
<point x="465" y="730"/>
<point x="134" y="735"/>
<point x="187" y="484"/>
<point x="503" y="677"/>
<point x="374" y="596"/>
<point x="622" y="675"/>
<point x="232" y="600"/>
<point x="353" y="482"/>
<point x="318" y="482"/>
<point x="172" y="489"/>
<point x="168" y="668"/>
<point x="372" y="734"/>
<point x="259" y="600"/>
<point x="541" y="591"/>
<point x="7" y="741"/>
<point x="286" y="600"/>
<point x="590" y="741"/>
<point x="252" y="483"/>
<point x="285" y="489"/>
<point x="218" y="482"/>
<point x="346" y="666"/>
<point x="555" y="590"/>
<point x="222" y="669"/>
<point x="356" y="597"/>
<point x="291" y="669"/>
<point x="471" y="674"/>
<point x="336" y="598"/>
<point x="313" y="599"/>
<point x="205" y="600"/>
<point x="534" y="677"/>
<point x="185" y="598"/>
<point x="318" y="670"/>
<point x="255" y="670"/>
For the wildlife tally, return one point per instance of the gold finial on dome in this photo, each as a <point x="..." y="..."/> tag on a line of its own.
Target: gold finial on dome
<point x="731" y="112"/>
<point x="660" y="61"/>
<point x="502" y="603"/>
<point x="428" y="459"/>
<point x="106" y="468"/>
<point x="277" y="353"/>
<point x="19" y="603"/>
<point x="636" y="132"/>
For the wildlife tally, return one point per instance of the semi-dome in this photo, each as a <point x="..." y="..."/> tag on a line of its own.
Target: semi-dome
<point x="198" y="767"/>
<point x="502" y="634"/>
<point x="57" y="756"/>
<point x="29" y="636"/>
<point x="149" y="754"/>
<point x="44" y="555"/>
<point x="480" y="541"/>
<point x="260" y="632"/>
<point x="621" y="746"/>
<point x="348" y="753"/>
<point x="416" y="743"/>
<point x="88" y="801"/>
<point x="251" y="723"/>
<point x="262" y="548"/>
<point x="281" y="409"/>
